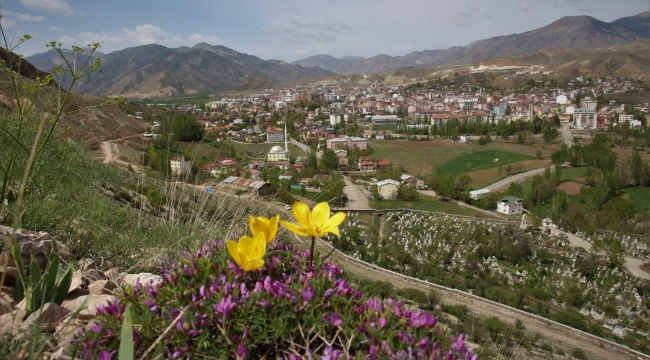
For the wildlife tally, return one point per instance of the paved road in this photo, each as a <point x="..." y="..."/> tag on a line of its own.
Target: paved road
<point x="514" y="178"/>
<point x="633" y="265"/>
<point x="567" y="135"/>
<point x="357" y="198"/>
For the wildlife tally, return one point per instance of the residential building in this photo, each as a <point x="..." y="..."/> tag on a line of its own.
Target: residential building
<point x="587" y="103"/>
<point x="510" y="205"/>
<point x="388" y="188"/>
<point x="275" y="135"/>
<point x="624" y="118"/>
<point x="585" y="118"/>
<point x="349" y="141"/>
<point x="478" y="194"/>
<point x="180" y="165"/>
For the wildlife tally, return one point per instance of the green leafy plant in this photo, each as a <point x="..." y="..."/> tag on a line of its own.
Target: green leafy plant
<point x="40" y="288"/>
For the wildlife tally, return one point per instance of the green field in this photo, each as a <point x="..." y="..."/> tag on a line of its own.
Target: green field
<point x="419" y="157"/>
<point x="641" y="198"/>
<point x="480" y="160"/>
<point x="384" y="127"/>
<point x="430" y="203"/>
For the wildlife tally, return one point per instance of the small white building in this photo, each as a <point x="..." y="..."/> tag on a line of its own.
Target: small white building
<point x="510" y="205"/>
<point x="478" y="194"/>
<point x="465" y="138"/>
<point x="180" y="165"/>
<point x="388" y="188"/>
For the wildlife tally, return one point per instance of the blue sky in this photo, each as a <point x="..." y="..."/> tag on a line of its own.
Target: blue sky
<point x="291" y="29"/>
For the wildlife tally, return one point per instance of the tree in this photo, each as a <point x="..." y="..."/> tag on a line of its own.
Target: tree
<point x="550" y="133"/>
<point x="539" y="154"/>
<point x="329" y="160"/>
<point x="444" y="185"/>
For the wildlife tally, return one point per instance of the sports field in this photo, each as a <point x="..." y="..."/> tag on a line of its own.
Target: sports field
<point x="471" y="161"/>
<point x="420" y="157"/>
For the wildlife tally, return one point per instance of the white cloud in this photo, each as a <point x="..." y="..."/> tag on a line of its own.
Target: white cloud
<point x="24" y="17"/>
<point x="56" y="28"/>
<point x="307" y="31"/>
<point x="526" y="7"/>
<point x="140" y="35"/>
<point x="56" y="7"/>
<point x="302" y="51"/>
<point x="151" y="34"/>
<point x="212" y="40"/>
<point x="8" y="23"/>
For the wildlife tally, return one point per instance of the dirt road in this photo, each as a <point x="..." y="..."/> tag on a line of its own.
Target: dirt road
<point x="357" y="198"/>
<point x="567" y="136"/>
<point x="501" y="184"/>
<point x="633" y="265"/>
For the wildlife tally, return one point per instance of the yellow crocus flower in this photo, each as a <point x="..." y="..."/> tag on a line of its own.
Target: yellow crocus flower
<point x="268" y="226"/>
<point x="249" y="252"/>
<point x="316" y="222"/>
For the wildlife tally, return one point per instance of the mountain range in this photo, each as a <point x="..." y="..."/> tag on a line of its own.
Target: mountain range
<point x="570" y="32"/>
<point x="156" y="70"/>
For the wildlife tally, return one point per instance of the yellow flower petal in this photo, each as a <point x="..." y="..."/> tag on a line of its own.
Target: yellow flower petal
<point x="320" y="214"/>
<point x="253" y="265"/>
<point x="333" y="229"/>
<point x="302" y="214"/>
<point x="255" y="225"/>
<point x="294" y="228"/>
<point x="273" y="228"/>
<point x="336" y="220"/>
<point x="233" y="249"/>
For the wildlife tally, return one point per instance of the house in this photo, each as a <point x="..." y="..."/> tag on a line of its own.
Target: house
<point x="478" y="194"/>
<point x="257" y="187"/>
<point x="387" y="189"/>
<point x="510" y="205"/>
<point x="366" y="166"/>
<point x="412" y="182"/>
<point x="180" y="165"/>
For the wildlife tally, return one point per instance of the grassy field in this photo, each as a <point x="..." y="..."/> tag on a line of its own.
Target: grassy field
<point x="641" y="198"/>
<point x="480" y="160"/>
<point x="384" y="127"/>
<point x="429" y="203"/>
<point x="419" y="157"/>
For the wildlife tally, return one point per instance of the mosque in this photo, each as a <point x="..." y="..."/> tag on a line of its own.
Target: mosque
<point x="277" y="153"/>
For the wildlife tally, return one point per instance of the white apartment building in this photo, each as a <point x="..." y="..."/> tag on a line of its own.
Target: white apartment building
<point x="625" y="118"/>
<point x="180" y="166"/>
<point x="585" y="118"/>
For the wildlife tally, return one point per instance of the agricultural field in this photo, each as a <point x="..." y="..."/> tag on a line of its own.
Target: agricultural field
<point x="419" y="157"/>
<point x="522" y="268"/>
<point x="479" y="160"/>
<point x="430" y="203"/>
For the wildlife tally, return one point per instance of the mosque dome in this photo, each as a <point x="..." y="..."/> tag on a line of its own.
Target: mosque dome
<point x="276" y="149"/>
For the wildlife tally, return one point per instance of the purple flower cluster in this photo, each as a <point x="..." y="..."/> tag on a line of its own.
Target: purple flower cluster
<point x="213" y="308"/>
